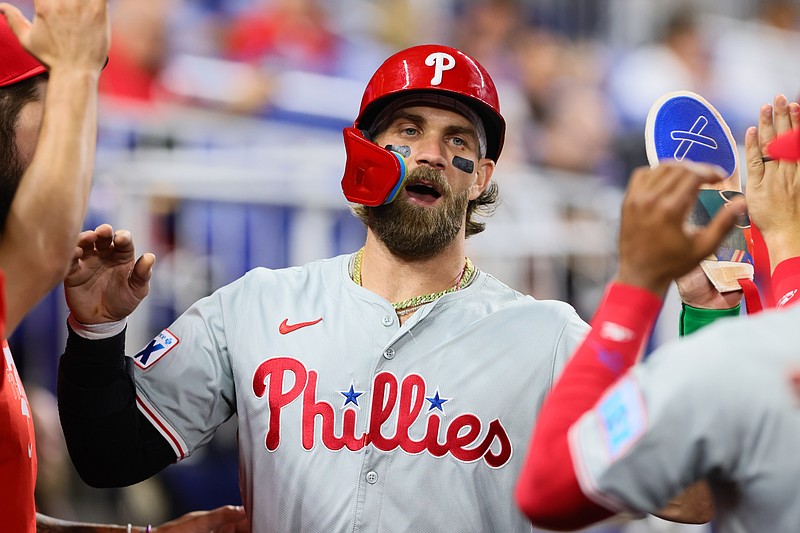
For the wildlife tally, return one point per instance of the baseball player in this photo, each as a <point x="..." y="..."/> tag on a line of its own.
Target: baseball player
<point x="719" y="406"/>
<point x="392" y="389"/>
<point x="47" y="146"/>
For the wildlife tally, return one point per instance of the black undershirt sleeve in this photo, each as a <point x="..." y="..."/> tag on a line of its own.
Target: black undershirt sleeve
<point x="110" y="442"/>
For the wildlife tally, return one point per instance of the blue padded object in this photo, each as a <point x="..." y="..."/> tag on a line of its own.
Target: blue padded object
<point x="683" y="126"/>
<point x="403" y="174"/>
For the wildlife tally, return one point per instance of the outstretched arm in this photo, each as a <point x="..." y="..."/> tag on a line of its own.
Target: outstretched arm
<point x="655" y="248"/>
<point x="70" y="37"/>
<point x="110" y="442"/>
<point x="773" y="197"/>
<point x="226" y="519"/>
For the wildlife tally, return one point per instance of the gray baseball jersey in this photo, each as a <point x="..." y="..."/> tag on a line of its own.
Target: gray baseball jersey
<point x="349" y="421"/>
<point x="717" y="405"/>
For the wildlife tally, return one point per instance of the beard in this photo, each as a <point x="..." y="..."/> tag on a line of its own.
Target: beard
<point x="414" y="231"/>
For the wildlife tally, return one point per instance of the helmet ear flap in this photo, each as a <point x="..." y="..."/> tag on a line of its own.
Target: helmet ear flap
<point x="373" y="175"/>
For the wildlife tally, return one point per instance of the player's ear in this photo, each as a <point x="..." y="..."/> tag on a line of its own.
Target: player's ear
<point x="483" y="176"/>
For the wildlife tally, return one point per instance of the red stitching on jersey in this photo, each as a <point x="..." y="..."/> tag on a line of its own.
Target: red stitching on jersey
<point x="163" y="426"/>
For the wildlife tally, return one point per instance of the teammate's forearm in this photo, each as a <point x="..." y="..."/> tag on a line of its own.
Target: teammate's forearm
<point x="110" y="442"/>
<point x="53" y="195"/>
<point x="548" y="490"/>
<point x="64" y="159"/>
<point x="49" y="206"/>
<point x="48" y="524"/>
<point x="783" y="246"/>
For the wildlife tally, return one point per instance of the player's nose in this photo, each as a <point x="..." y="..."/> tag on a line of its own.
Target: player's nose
<point x="430" y="151"/>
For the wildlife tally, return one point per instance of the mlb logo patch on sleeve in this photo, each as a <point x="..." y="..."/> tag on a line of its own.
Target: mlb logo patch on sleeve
<point x="622" y="415"/>
<point x="158" y="348"/>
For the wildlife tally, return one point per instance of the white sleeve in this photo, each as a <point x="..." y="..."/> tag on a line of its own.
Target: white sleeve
<point x="184" y="378"/>
<point x="571" y="338"/>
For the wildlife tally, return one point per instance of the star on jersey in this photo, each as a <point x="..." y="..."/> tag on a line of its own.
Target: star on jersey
<point x="351" y="396"/>
<point x="437" y="402"/>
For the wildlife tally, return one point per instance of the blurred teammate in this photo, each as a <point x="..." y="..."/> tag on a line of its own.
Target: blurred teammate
<point x="719" y="406"/>
<point x="389" y="389"/>
<point x="48" y="121"/>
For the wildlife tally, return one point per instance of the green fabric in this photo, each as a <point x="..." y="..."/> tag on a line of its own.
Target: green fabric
<point x="694" y="318"/>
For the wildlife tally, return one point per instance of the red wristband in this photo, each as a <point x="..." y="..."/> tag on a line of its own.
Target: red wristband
<point x="786" y="282"/>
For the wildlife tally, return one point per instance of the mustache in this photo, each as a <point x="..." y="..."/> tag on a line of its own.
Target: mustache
<point x="429" y="176"/>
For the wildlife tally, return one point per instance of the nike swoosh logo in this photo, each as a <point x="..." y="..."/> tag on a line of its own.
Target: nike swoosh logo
<point x="285" y="328"/>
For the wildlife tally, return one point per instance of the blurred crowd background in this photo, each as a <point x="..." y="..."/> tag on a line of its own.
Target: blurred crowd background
<point x="220" y="148"/>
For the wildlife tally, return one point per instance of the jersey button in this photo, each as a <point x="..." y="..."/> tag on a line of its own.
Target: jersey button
<point x="389" y="353"/>
<point x="388" y="320"/>
<point x="372" y="477"/>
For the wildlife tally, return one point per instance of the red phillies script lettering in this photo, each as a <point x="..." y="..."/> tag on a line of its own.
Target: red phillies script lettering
<point x="283" y="380"/>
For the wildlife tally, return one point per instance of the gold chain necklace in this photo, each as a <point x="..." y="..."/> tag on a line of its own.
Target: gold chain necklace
<point x="412" y="304"/>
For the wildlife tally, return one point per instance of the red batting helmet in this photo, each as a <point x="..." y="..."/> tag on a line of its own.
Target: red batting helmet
<point x="16" y="64"/>
<point x="433" y="68"/>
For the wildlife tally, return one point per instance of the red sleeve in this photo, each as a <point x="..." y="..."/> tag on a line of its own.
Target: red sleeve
<point x="786" y="282"/>
<point x="2" y="305"/>
<point x="547" y="490"/>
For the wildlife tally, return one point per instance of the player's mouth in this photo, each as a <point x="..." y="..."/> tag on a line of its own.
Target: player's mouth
<point x="423" y="192"/>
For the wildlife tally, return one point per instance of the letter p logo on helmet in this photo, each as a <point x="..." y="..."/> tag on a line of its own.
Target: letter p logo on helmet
<point x="435" y="69"/>
<point x="441" y="61"/>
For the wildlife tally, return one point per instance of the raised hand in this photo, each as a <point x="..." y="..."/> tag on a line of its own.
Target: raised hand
<point x="656" y="246"/>
<point x="64" y="33"/>
<point x="105" y="282"/>
<point x="226" y="519"/>
<point x="773" y="187"/>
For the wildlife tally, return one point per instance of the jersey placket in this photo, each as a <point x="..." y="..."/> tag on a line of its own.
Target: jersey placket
<point x="375" y="463"/>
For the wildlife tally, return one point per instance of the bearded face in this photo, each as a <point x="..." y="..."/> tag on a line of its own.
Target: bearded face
<point x="417" y="231"/>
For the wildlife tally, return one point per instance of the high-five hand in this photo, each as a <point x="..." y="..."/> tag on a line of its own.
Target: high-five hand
<point x="105" y="282"/>
<point x="72" y="34"/>
<point x="773" y="187"/>
<point x="656" y="246"/>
